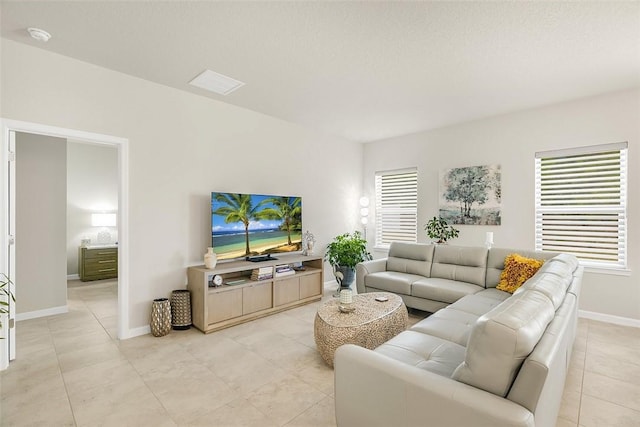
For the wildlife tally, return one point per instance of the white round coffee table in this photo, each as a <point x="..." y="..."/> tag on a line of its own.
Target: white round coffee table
<point x="371" y="324"/>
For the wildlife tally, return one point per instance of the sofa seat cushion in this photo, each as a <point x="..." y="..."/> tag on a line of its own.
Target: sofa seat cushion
<point x="424" y="351"/>
<point x="481" y="302"/>
<point x="443" y="290"/>
<point x="493" y="293"/>
<point x="391" y="281"/>
<point x="449" y="324"/>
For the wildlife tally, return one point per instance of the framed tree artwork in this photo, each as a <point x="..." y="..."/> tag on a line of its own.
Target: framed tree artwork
<point x="471" y="195"/>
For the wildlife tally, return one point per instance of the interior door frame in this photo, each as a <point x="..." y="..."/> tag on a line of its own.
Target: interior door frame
<point x="122" y="145"/>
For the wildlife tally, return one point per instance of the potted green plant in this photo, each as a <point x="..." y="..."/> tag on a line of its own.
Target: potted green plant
<point x="343" y="253"/>
<point x="440" y="231"/>
<point x="5" y="284"/>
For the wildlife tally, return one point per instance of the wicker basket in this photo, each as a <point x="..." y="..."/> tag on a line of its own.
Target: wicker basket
<point x="181" y="309"/>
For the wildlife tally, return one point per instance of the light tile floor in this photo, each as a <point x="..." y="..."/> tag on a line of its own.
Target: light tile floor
<point x="71" y="371"/>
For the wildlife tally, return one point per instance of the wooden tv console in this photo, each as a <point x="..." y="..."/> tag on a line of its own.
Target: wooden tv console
<point x="215" y="308"/>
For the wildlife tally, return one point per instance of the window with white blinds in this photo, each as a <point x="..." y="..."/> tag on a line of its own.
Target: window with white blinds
<point x="396" y="207"/>
<point x="581" y="203"/>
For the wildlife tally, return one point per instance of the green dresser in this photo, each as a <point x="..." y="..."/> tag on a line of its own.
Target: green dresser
<point x="97" y="263"/>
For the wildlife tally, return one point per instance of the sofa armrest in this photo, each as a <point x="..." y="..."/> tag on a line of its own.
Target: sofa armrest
<point x="368" y="267"/>
<point x="374" y="390"/>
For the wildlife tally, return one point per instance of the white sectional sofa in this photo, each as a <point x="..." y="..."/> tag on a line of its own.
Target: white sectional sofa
<point x="484" y="358"/>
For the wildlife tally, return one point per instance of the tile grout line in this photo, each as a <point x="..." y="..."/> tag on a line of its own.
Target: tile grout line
<point x="115" y="341"/>
<point x="64" y="381"/>
<point x="584" y="368"/>
<point x="84" y="303"/>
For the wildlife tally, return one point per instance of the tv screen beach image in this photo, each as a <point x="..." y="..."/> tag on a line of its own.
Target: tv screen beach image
<point x="245" y="225"/>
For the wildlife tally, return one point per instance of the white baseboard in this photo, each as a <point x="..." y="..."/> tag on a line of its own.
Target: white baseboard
<point x="609" y="318"/>
<point x="136" y="332"/>
<point x="42" y="313"/>
<point x="73" y="277"/>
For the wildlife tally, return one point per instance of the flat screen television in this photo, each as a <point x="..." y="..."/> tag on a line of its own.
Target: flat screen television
<point x="254" y="226"/>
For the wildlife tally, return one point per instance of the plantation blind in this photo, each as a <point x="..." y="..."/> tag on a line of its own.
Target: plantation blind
<point x="396" y="206"/>
<point x="581" y="203"/>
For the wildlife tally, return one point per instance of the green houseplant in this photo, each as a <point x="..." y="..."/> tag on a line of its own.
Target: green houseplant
<point x="440" y="231"/>
<point x="5" y="284"/>
<point x="343" y="253"/>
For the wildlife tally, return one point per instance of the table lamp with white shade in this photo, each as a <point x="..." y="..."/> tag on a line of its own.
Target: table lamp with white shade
<point x="103" y="220"/>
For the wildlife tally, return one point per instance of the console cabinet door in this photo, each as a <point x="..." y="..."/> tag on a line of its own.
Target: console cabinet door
<point x="224" y="305"/>
<point x="256" y="297"/>
<point x="286" y="291"/>
<point x="310" y="286"/>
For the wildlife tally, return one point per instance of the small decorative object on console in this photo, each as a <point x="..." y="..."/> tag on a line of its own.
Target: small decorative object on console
<point x="215" y="280"/>
<point x="308" y="242"/>
<point x="262" y="273"/>
<point x="284" y="270"/>
<point x="210" y="259"/>
<point x="298" y="266"/>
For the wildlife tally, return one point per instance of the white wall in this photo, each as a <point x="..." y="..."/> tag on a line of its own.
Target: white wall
<point x="92" y="186"/>
<point x="182" y="147"/>
<point x="41" y="181"/>
<point x="511" y="141"/>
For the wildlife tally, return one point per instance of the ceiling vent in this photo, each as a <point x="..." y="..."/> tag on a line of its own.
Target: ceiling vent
<point x="216" y="82"/>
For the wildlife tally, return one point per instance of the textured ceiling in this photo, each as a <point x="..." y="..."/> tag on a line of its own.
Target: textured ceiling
<point x="362" y="70"/>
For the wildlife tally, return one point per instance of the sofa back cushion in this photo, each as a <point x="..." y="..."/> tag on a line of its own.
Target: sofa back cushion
<point x="561" y="265"/>
<point x="553" y="279"/>
<point x="412" y="258"/>
<point x="540" y="381"/>
<point x="464" y="264"/>
<point x="550" y="285"/>
<point x="502" y="339"/>
<point x="495" y="262"/>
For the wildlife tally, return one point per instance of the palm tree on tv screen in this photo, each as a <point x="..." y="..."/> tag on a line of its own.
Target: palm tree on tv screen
<point x="239" y="208"/>
<point x="286" y="209"/>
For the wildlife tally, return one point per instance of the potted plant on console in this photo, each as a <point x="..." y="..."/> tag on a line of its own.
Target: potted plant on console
<point x="343" y="253"/>
<point x="440" y="231"/>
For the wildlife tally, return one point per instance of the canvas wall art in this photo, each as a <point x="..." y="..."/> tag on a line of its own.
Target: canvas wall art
<point x="471" y="195"/>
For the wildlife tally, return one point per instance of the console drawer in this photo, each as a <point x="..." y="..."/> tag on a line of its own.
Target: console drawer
<point x="97" y="263"/>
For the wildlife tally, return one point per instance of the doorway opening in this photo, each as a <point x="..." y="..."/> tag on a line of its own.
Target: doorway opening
<point x="9" y="239"/>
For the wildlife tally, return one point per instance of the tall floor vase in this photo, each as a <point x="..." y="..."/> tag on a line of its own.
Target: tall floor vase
<point x="160" y="317"/>
<point x="181" y="309"/>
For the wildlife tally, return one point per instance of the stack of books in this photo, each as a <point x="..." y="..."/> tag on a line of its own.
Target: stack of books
<point x="262" y="273"/>
<point x="284" y="270"/>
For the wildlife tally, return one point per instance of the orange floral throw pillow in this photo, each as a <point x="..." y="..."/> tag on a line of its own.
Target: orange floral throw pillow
<point x="517" y="270"/>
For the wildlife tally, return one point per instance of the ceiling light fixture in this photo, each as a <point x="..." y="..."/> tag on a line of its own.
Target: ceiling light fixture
<point x="38" y="34"/>
<point x="216" y="82"/>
